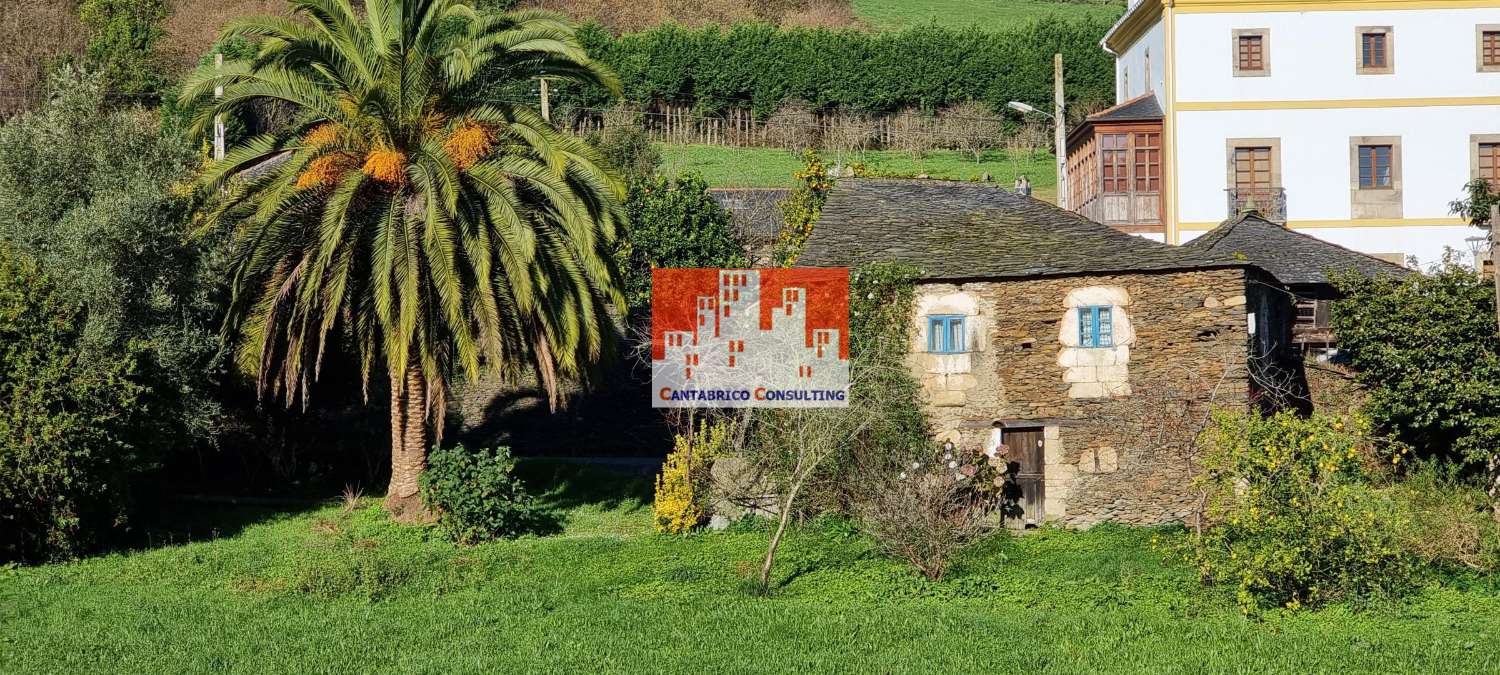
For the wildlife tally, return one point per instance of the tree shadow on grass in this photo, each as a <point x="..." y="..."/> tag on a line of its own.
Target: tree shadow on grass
<point x="176" y="521"/>
<point x="562" y="486"/>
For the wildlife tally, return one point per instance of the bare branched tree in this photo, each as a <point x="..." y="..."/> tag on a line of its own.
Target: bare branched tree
<point x="794" y="126"/>
<point x="911" y="131"/>
<point x="848" y="135"/>
<point x="791" y="447"/>
<point x="925" y="516"/>
<point x="33" y="35"/>
<point x="971" y="126"/>
<point x="1026" y="140"/>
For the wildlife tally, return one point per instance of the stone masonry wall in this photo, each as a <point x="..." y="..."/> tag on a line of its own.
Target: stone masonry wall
<point x="1023" y="367"/>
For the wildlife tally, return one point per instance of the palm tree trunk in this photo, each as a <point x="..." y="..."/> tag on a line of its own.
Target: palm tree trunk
<point x="408" y="447"/>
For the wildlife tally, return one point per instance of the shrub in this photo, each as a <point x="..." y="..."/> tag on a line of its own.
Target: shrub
<point x="1452" y="522"/>
<point x="1295" y="514"/>
<point x="91" y="193"/>
<point x="1425" y="346"/>
<point x="66" y="448"/>
<point x="682" y="487"/>
<point x="629" y="150"/>
<point x="122" y="41"/>
<point x="760" y="67"/>
<point x="674" y="222"/>
<point x="930" y="511"/>
<point x="475" y="495"/>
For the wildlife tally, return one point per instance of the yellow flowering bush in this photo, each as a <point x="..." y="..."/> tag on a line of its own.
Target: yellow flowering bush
<point x="682" y="485"/>
<point x="801" y="209"/>
<point x="1299" y="512"/>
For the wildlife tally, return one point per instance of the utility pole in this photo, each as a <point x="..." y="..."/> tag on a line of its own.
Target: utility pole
<point x="546" y="102"/>
<point x="1495" y="256"/>
<point x="218" y="119"/>
<point x="1059" y="127"/>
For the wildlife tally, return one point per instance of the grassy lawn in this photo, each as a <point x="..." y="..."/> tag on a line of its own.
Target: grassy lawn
<point x="770" y="167"/>
<point x="341" y="589"/>
<point x="989" y="14"/>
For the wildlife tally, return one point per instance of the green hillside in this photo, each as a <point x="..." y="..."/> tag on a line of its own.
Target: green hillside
<point x="989" y="14"/>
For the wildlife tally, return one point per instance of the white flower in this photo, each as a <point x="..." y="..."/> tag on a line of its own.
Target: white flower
<point x="916" y="465"/>
<point x="903" y="475"/>
<point x="947" y="455"/>
<point x="953" y="465"/>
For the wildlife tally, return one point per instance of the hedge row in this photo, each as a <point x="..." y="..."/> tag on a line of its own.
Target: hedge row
<point x="760" y="67"/>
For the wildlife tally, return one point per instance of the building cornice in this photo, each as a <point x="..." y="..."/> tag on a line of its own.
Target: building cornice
<point x="1337" y="103"/>
<point x="1133" y="25"/>
<point x="1226" y="6"/>
<point x="1361" y="222"/>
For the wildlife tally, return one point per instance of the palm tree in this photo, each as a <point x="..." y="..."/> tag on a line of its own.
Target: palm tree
<point x="404" y="215"/>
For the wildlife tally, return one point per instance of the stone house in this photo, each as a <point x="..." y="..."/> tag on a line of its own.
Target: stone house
<point x="1056" y="336"/>
<point x="1301" y="262"/>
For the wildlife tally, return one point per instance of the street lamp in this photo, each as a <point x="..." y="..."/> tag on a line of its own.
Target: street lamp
<point x="1022" y="107"/>
<point x="1060" y="145"/>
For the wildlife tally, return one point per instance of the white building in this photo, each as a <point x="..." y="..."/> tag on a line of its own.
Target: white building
<point x="1355" y="121"/>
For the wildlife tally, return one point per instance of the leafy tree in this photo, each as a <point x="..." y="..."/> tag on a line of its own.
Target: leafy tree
<point x="1427" y="349"/>
<point x="122" y="41"/>
<point x="628" y="150"/>
<point x="674" y="222"/>
<point x="1475" y="205"/>
<point x="100" y="200"/>
<point x="440" y="232"/>
<point x="66" y="447"/>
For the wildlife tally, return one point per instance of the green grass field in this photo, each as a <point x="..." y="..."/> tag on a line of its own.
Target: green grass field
<point x="770" y="167"/>
<point x="989" y="14"/>
<point x="331" y="589"/>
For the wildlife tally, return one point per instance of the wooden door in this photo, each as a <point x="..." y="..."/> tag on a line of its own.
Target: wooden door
<point x="1252" y="171"/>
<point x="1025" y="490"/>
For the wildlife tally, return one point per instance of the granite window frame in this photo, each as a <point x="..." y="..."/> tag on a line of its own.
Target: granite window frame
<point x="1237" y="62"/>
<point x="1379" y="201"/>
<point x="1482" y="31"/>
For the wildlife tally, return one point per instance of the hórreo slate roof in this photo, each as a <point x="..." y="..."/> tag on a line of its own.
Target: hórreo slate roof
<point x="960" y="230"/>
<point x="1290" y="256"/>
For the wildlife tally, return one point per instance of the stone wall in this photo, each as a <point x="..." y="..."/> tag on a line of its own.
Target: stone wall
<point x="1023" y="367"/>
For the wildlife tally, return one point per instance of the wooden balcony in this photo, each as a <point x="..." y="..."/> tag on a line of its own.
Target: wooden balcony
<point x="1128" y="211"/>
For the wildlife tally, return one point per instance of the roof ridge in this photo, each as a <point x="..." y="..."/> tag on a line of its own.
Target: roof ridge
<point x="1325" y="242"/>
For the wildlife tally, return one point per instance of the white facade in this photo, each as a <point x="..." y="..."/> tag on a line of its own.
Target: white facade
<point x="1314" y="107"/>
<point x="1142" y="67"/>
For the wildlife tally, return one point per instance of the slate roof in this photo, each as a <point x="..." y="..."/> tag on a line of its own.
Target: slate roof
<point x="959" y="230"/>
<point x="1143" y="107"/>
<point x="1290" y="256"/>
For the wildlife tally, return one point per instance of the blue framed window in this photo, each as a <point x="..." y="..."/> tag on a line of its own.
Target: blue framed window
<point x="945" y="333"/>
<point x="1095" y="327"/>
